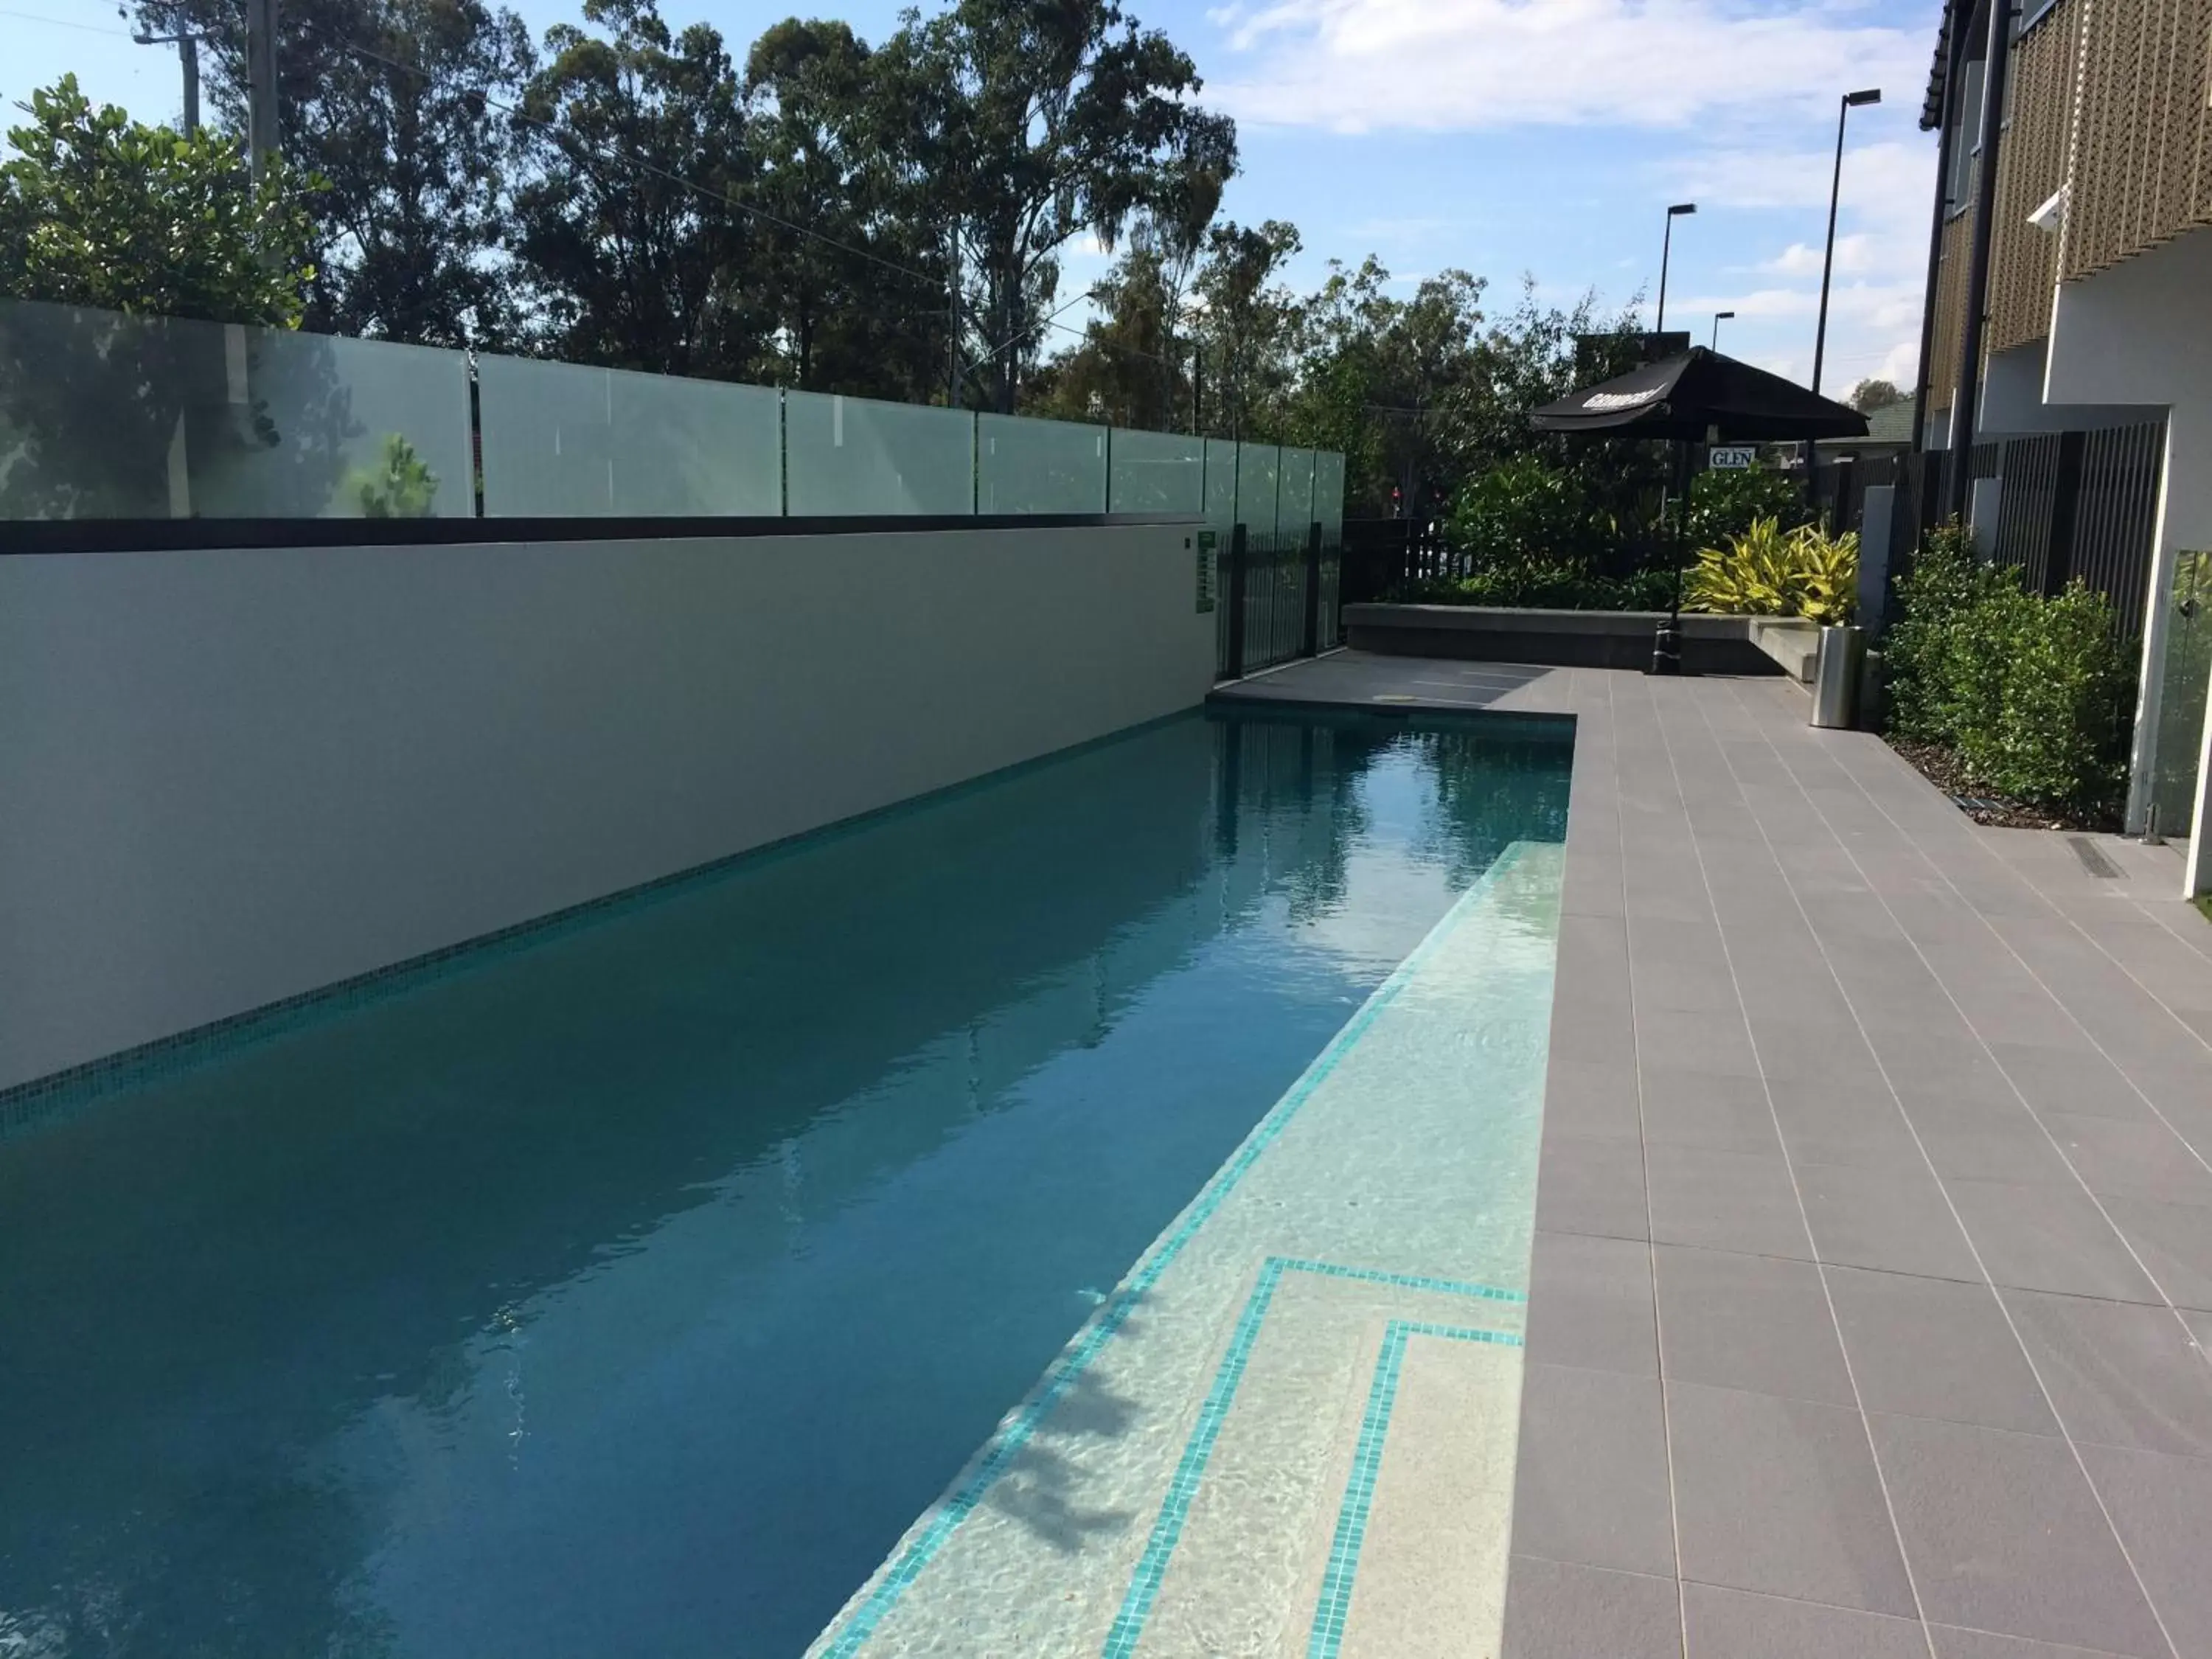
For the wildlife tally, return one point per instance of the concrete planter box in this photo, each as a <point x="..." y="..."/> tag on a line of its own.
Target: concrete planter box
<point x="1582" y="639"/>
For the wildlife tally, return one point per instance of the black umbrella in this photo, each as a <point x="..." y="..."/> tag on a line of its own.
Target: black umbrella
<point x="1699" y="395"/>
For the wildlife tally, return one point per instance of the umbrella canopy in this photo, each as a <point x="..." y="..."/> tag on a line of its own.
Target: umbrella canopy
<point x="1687" y="396"/>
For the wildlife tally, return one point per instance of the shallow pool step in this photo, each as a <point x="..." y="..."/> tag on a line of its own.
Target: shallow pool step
<point x="1289" y="1431"/>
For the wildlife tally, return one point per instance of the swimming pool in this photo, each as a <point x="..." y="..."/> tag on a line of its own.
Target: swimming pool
<point x="631" y="1289"/>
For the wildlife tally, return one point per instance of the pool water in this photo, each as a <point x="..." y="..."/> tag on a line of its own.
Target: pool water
<point x="632" y="1289"/>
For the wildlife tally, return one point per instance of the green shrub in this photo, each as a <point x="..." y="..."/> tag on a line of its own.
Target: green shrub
<point x="1554" y="586"/>
<point x="2031" y="692"/>
<point x="1727" y="502"/>
<point x="2060" y="725"/>
<point x="401" y="486"/>
<point x="1766" y="571"/>
<point x="1523" y="511"/>
<point x="1942" y="583"/>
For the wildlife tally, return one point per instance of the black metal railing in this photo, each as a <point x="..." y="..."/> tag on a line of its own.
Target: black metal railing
<point x="2116" y="517"/>
<point x="1279" y="598"/>
<point x="1387" y="558"/>
<point x="2069" y="504"/>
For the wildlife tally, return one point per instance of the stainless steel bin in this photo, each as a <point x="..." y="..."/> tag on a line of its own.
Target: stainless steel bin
<point x="1835" y="679"/>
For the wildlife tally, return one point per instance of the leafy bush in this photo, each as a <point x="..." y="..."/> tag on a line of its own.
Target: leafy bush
<point x="1727" y="502"/>
<point x="1523" y="511"/>
<point x="1554" y="586"/>
<point x="1766" y="571"/>
<point x="2031" y="692"/>
<point x="2061" y="711"/>
<point x="1943" y="583"/>
<point x="402" y="486"/>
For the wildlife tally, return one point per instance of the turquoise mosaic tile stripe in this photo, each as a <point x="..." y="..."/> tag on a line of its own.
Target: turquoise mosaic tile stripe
<point x="1405" y="1281"/>
<point x="1016" y="1432"/>
<point x="1335" y="1604"/>
<point x="1167" y="1530"/>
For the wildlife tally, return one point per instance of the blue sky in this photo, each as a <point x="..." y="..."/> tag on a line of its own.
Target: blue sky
<point x="1503" y="137"/>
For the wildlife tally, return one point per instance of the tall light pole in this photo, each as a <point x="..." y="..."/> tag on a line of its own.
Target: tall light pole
<point x="1666" y="250"/>
<point x="1851" y="101"/>
<point x="1719" y="317"/>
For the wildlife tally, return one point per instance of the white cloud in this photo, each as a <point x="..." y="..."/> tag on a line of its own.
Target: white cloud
<point x="1357" y="65"/>
<point x="1887" y="183"/>
<point x="1853" y="253"/>
<point x="1882" y="254"/>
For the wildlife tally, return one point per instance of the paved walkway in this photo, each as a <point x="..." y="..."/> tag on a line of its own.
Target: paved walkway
<point x="1873" y="1276"/>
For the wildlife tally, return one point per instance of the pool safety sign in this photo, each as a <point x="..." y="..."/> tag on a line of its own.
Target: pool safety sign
<point x="1731" y="457"/>
<point x="1205" y="574"/>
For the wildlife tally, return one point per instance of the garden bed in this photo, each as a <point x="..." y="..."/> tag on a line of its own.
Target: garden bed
<point x="1576" y="639"/>
<point x="1942" y="767"/>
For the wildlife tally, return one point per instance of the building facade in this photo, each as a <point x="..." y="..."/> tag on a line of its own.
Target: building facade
<point x="2093" y="220"/>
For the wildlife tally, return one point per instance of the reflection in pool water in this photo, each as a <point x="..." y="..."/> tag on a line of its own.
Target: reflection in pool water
<point x="631" y="1291"/>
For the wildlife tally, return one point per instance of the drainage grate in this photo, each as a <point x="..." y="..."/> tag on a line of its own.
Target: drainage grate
<point x="2093" y="857"/>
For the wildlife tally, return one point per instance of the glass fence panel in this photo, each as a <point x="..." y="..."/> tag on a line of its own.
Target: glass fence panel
<point x="1220" y="483"/>
<point x="562" y="439"/>
<point x="1294" y="516"/>
<point x="108" y="415"/>
<point x="1039" y="466"/>
<point x="1157" y="472"/>
<point x="1259" y="472"/>
<point x="854" y="456"/>
<point x="1328" y="496"/>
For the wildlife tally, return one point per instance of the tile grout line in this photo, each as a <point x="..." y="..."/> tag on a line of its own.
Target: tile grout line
<point x="2160" y="921"/>
<point x="1644" y="1164"/>
<point x="2042" y="898"/>
<point x="1796" y="1191"/>
<point x="2034" y="1370"/>
<point x="2188" y="1332"/>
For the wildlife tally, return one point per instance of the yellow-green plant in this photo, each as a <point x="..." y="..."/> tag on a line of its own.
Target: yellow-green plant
<point x="1770" y="572"/>
<point x="1826" y="568"/>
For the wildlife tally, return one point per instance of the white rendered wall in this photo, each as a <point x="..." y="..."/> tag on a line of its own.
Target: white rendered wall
<point x="2141" y="333"/>
<point x="2013" y="401"/>
<point x="229" y="777"/>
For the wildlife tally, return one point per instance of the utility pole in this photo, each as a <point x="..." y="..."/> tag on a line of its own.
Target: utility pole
<point x="188" y="54"/>
<point x="952" y="316"/>
<point x="1197" y="387"/>
<point x="261" y="131"/>
<point x="188" y="57"/>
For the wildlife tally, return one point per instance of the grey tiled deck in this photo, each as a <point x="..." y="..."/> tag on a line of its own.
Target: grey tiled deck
<point x="1873" y="1282"/>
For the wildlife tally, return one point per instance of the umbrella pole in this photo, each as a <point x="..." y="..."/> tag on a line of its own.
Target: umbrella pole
<point x="1667" y="643"/>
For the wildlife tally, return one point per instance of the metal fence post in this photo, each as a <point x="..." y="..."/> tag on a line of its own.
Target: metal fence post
<point x="2065" y="495"/>
<point x="1313" y="590"/>
<point x="1236" y="570"/>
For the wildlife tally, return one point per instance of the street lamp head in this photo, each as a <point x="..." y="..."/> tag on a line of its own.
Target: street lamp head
<point x="1680" y="208"/>
<point x="1722" y="316"/>
<point x="1855" y="99"/>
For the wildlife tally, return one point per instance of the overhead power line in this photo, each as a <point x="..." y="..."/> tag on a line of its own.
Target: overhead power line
<point x="63" y="23"/>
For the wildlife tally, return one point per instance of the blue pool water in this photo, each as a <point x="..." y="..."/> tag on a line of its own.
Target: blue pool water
<point x="629" y="1292"/>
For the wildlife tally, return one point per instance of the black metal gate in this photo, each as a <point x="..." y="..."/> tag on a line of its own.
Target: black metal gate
<point x="1387" y="558"/>
<point x="1280" y="598"/>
